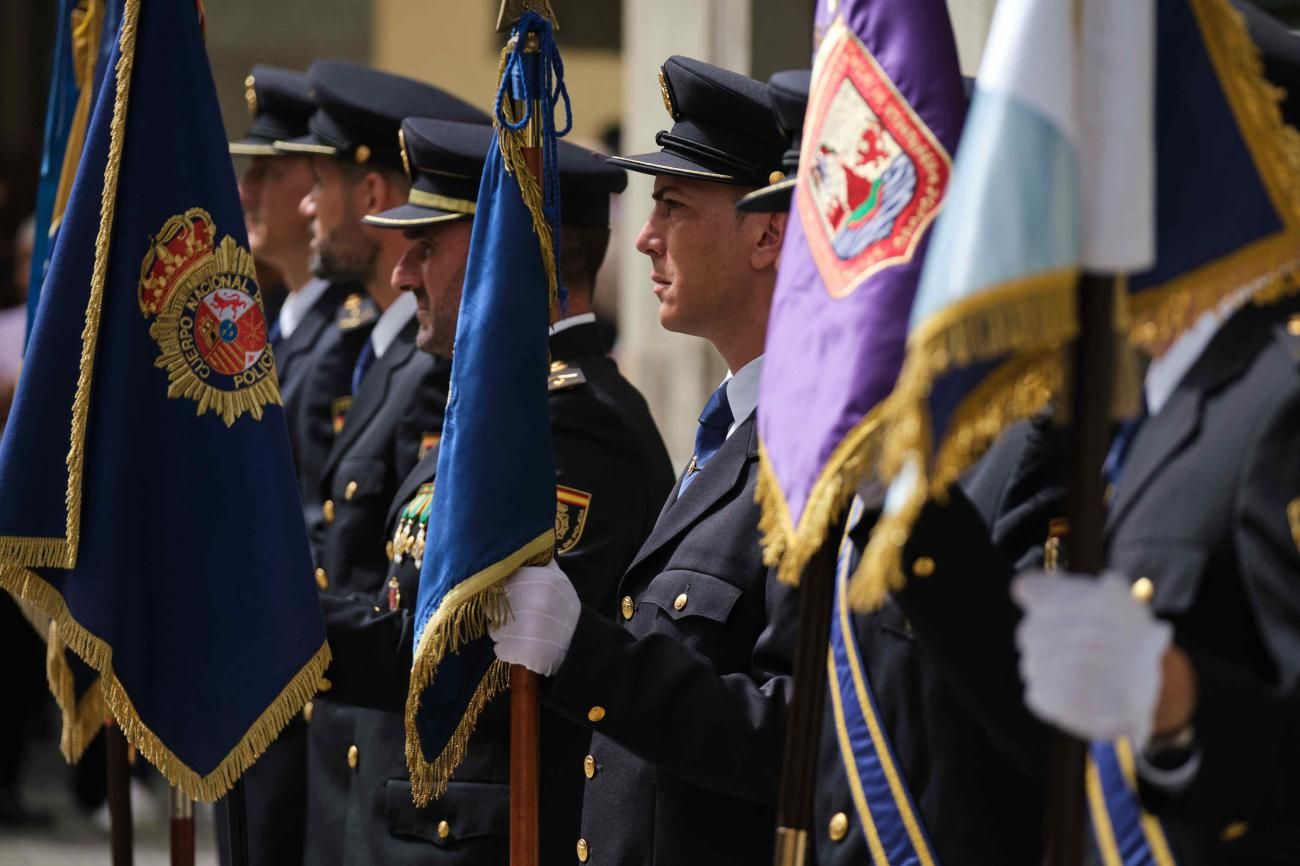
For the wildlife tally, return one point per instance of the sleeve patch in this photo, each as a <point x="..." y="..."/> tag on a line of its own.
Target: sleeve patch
<point x="571" y="507"/>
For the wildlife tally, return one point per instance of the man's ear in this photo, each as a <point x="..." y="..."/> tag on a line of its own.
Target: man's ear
<point x="379" y="192"/>
<point x="767" y="249"/>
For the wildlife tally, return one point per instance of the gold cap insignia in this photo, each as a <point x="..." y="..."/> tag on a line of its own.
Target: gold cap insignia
<point x="667" y="93"/>
<point x="776" y="177"/>
<point x="250" y="95"/>
<point x="406" y="160"/>
<point x="362" y="154"/>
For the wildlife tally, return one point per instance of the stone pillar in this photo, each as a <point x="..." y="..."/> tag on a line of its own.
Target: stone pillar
<point x="970" y="23"/>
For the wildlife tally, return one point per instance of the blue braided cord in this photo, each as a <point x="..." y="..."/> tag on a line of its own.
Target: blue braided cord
<point x="553" y="90"/>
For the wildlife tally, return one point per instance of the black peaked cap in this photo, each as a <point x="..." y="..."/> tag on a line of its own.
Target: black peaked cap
<point x="724" y="128"/>
<point x="789" y="92"/>
<point x="446" y="161"/>
<point x="280" y="102"/>
<point x="359" y="111"/>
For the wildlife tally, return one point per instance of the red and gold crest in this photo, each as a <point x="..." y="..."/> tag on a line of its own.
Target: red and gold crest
<point x="207" y="318"/>
<point x="871" y="174"/>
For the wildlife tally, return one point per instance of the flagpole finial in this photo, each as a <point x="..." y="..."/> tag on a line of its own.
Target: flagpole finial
<point x="512" y="10"/>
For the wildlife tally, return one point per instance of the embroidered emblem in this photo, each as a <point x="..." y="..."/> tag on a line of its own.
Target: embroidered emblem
<point x="394" y="593"/>
<point x="873" y="175"/>
<point x="339" y="407"/>
<point x="412" y="521"/>
<point x="428" y="442"/>
<point x="1293" y="517"/>
<point x="207" y="317"/>
<point x="355" y="311"/>
<point x="250" y="95"/>
<point x="667" y="93"/>
<point x="571" y="507"/>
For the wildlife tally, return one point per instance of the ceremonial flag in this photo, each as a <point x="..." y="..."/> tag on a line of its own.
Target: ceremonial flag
<point x="494" y="504"/>
<point x="150" y="522"/>
<point x="884" y="112"/>
<point x="82" y="32"/>
<point x="1127" y="137"/>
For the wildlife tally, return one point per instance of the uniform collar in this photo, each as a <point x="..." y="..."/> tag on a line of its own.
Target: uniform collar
<point x="742" y="392"/>
<point x="296" y="304"/>
<point x="572" y="321"/>
<point x="391" y="322"/>
<point x="1166" y="372"/>
<point x="576" y="338"/>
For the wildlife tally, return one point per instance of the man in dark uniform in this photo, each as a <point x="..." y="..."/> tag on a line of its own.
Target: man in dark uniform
<point x="271" y="186"/>
<point x="685" y="686"/>
<point x="397" y="394"/>
<point x="612" y="475"/>
<point x="929" y="686"/>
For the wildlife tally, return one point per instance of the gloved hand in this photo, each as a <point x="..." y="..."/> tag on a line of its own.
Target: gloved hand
<point x="544" y="610"/>
<point x="1090" y="654"/>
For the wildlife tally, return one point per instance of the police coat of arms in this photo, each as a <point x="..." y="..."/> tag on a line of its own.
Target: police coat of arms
<point x="208" y="318"/>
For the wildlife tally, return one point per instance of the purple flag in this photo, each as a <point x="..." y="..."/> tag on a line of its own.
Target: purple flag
<point x="884" y="113"/>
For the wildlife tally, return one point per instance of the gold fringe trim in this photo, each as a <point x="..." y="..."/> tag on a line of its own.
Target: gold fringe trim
<point x="439" y="772"/>
<point x="62" y="553"/>
<point x="107" y="696"/>
<point x="464" y="615"/>
<point x="789" y="548"/>
<point x="1032" y="320"/>
<point x="86" y="26"/>
<point x="1162" y="313"/>
<point x="512" y="146"/>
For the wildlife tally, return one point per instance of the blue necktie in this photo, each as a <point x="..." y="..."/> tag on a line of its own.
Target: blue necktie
<point x="364" y="360"/>
<point x="274" y="336"/>
<point x="1119" y="447"/>
<point x="715" y="420"/>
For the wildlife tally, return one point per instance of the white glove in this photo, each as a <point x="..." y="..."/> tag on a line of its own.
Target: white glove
<point x="1090" y="655"/>
<point x="544" y="610"/>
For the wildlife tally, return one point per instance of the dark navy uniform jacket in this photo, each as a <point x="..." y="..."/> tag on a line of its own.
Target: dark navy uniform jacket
<point x="398" y="406"/>
<point x="613" y="474"/>
<point x="685" y="688"/>
<point x="1208" y="510"/>
<point x="940" y="660"/>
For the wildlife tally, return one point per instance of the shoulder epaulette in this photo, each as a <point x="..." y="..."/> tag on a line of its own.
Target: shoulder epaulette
<point x="355" y="311"/>
<point x="564" y="377"/>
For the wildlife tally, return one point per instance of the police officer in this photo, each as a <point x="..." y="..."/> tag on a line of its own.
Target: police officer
<point x="271" y="186"/>
<point x="397" y="394"/>
<point x="612" y="475"/>
<point x="1198" y="667"/>
<point x="685" y="687"/>
<point x="927" y="686"/>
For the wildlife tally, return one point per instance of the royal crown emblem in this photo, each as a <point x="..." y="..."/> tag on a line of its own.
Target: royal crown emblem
<point x="207" y="317"/>
<point x="871" y="173"/>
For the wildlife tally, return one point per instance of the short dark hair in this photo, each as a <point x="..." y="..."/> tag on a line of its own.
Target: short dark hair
<point x="582" y="252"/>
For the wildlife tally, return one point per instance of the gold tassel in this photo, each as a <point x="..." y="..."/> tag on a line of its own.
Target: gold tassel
<point x="463" y="616"/>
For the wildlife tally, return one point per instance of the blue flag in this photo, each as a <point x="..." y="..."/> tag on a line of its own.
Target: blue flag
<point x="151" y="524"/>
<point x="84" y="29"/>
<point x="494" y="504"/>
<point x="1128" y="137"/>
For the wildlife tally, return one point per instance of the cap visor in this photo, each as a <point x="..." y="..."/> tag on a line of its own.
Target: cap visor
<point x="770" y="199"/>
<point x="660" y="162"/>
<point x="305" y="144"/>
<point x="411" y="216"/>
<point x="253" y="147"/>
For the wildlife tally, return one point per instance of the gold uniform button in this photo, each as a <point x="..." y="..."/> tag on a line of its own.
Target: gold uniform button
<point x="923" y="566"/>
<point x="324" y="685"/>
<point x="839" y="827"/>
<point x="353" y="757"/>
<point x="680" y="601"/>
<point x="589" y="767"/>
<point x="444" y="829"/>
<point x="322" y="579"/>
<point x="595" y="714"/>
<point x="1237" y="829"/>
<point x="350" y="491"/>
<point x="1293" y="328"/>
<point x="306" y="711"/>
<point x="584" y="851"/>
<point x="627" y="606"/>
<point x="328" y="508"/>
<point x="1143" y="590"/>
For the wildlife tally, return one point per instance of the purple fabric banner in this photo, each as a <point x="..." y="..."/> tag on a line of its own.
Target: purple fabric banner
<point x="884" y="113"/>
